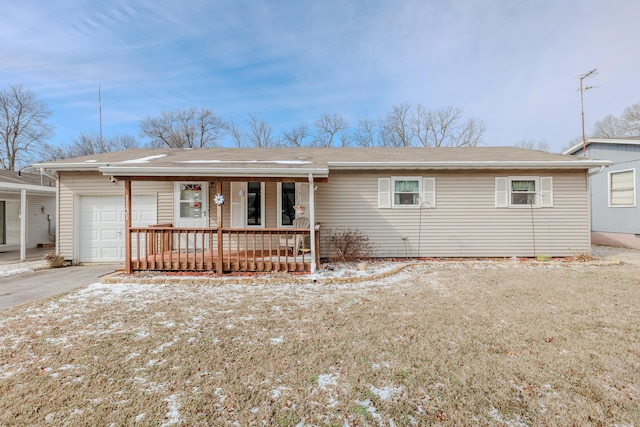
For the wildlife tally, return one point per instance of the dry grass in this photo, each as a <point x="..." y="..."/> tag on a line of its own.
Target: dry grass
<point x="494" y="343"/>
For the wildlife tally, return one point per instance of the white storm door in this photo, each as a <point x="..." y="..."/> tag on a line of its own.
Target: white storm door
<point x="191" y="209"/>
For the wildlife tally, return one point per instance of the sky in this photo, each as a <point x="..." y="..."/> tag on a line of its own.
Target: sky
<point x="514" y="64"/>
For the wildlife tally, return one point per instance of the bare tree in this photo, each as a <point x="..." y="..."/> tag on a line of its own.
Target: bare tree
<point x="295" y="136"/>
<point x="328" y="126"/>
<point x="366" y="135"/>
<point x="609" y="127"/>
<point x="420" y="125"/>
<point x="89" y="144"/>
<point x="189" y="128"/>
<point x="625" y="126"/>
<point x="446" y="129"/>
<point x="23" y="126"/>
<point x="395" y="130"/>
<point x="259" y="133"/>
<point x="235" y="132"/>
<point x="631" y="118"/>
<point x="530" y="144"/>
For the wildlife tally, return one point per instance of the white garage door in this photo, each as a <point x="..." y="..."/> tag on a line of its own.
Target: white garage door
<point x="102" y="225"/>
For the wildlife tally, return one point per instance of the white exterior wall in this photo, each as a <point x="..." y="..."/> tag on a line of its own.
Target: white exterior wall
<point x="37" y="224"/>
<point x="75" y="184"/>
<point x="465" y="222"/>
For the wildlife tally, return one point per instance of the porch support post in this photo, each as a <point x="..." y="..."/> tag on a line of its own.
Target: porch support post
<point x="127" y="228"/>
<point x="220" y="270"/>
<point x="23" y="224"/>
<point x="312" y="223"/>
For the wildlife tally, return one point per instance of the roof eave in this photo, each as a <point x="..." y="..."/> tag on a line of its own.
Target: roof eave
<point x="207" y="172"/>
<point x="566" y="164"/>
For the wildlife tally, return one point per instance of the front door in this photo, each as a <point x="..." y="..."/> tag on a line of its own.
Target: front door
<point x="191" y="207"/>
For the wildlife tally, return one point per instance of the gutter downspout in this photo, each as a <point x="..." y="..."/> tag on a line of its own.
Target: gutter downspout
<point x="597" y="171"/>
<point x="312" y="223"/>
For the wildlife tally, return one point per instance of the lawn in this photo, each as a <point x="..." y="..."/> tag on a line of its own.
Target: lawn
<point x="453" y="343"/>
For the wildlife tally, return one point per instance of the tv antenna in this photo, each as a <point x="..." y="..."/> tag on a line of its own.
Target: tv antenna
<point x="582" y="89"/>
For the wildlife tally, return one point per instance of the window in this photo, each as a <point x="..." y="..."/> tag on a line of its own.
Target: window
<point x="254" y="203"/>
<point x="622" y="189"/>
<point x="403" y="192"/>
<point x="406" y="191"/>
<point x="293" y="201"/>
<point x="287" y="202"/>
<point x="247" y="204"/>
<point x="524" y="191"/>
<point x="190" y="200"/>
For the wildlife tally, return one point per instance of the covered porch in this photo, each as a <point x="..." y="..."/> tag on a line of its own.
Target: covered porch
<point x="219" y="242"/>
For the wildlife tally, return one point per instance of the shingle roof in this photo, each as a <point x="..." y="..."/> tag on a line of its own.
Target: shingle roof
<point x="301" y="161"/>
<point x="15" y="177"/>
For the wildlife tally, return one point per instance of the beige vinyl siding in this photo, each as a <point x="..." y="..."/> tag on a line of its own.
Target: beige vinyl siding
<point x="465" y="222"/>
<point x="73" y="184"/>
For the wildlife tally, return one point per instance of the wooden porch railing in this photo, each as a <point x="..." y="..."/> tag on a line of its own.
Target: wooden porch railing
<point x="167" y="248"/>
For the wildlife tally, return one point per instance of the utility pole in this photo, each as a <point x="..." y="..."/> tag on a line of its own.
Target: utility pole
<point x="582" y="77"/>
<point x="100" y="110"/>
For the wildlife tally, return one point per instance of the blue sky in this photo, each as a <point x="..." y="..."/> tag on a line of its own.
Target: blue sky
<point x="512" y="63"/>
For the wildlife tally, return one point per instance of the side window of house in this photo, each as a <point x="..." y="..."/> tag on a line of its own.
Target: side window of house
<point x="293" y="202"/>
<point x="254" y="203"/>
<point x="622" y="188"/>
<point x="524" y="191"/>
<point x="247" y="204"/>
<point x="406" y="192"/>
<point x="287" y="203"/>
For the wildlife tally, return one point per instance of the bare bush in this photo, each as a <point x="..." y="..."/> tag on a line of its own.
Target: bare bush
<point x="349" y="244"/>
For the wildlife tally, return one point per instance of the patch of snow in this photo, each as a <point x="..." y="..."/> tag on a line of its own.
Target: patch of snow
<point x="21" y="267"/>
<point x="276" y="393"/>
<point x="139" y="417"/>
<point x="276" y="162"/>
<point x="277" y="340"/>
<point x="326" y="380"/>
<point x="173" y="414"/>
<point x="145" y="159"/>
<point x="371" y="409"/>
<point x="496" y="415"/>
<point x="386" y="392"/>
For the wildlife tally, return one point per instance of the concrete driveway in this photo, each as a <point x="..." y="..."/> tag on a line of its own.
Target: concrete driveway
<point x="32" y="286"/>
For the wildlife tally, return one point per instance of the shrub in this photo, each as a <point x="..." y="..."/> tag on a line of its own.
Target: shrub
<point x="349" y="244"/>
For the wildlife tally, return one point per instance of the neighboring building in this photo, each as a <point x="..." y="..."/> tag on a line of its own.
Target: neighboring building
<point x="31" y="193"/>
<point x="615" y="214"/>
<point x="411" y="202"/>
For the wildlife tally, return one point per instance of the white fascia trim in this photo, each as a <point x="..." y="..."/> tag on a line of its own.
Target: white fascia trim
<point x="623" y="141"/>
<point x="30" y="188"/>
<point x="81" y="167"/>
<point x="562" y="164"/>
<point x="208" y="171"/>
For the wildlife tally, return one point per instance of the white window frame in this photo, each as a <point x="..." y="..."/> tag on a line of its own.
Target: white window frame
<point x="239" y="200"/>
<point x="279" y="204"/>
<point x="609" y="189"/>
<point x="536" y="191"/>
<point x="543" y="192"/>
<point x="427" y="195"/>
<point x="394" y="179"/>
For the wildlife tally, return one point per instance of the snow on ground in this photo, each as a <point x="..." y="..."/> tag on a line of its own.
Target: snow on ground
<point x="21" y="267"/>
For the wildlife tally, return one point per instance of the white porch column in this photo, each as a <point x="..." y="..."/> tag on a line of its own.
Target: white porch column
<point x="23" y="224"/>
<point x="312" y="223"/>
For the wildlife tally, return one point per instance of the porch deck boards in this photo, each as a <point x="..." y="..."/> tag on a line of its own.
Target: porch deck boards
<point x="232" y="261"/>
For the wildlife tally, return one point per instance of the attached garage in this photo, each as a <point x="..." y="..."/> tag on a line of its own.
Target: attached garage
<point x="102" y="222"/>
